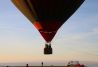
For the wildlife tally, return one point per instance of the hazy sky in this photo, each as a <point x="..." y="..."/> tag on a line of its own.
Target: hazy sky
<point x="77" y="39"/>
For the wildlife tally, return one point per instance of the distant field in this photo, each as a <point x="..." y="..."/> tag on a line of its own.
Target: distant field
<point x="33" y="66"/>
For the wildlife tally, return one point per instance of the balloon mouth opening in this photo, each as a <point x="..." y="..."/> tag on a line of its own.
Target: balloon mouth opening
<point x="48" y="49"/>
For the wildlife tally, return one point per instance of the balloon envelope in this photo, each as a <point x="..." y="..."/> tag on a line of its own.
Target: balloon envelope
<point x="47" y="15"/>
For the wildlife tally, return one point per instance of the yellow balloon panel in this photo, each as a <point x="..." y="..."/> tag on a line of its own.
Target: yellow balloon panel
<point x="25" y="9"/>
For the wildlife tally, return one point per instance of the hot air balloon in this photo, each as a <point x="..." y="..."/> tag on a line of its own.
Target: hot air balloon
<point x="47" y="15"/>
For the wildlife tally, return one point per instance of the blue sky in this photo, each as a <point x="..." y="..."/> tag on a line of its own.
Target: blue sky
<point x="77" y="39"/>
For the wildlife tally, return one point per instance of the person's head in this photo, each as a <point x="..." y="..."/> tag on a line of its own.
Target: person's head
<point x="26" y="65"/>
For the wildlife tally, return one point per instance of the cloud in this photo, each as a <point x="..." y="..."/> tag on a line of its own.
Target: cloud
<point x="81" y="45"/>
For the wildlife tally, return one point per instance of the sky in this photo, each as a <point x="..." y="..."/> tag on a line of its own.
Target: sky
<point x="77" y="39"/>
